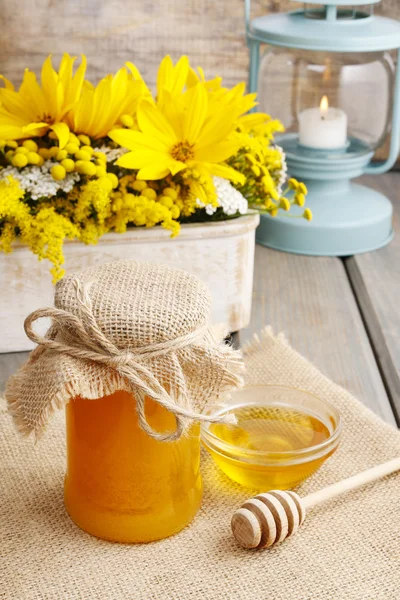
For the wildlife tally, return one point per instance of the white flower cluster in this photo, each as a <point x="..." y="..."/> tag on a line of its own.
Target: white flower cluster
<point x="230" y="200"/>
<point x="112" y="154"/>
<point x="283" y="173"/>
<point x="38" y="181"/>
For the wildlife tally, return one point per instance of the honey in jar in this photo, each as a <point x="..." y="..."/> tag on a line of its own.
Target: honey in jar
<point x="121" y="484"/>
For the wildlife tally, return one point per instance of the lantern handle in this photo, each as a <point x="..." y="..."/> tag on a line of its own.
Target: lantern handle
<point x="247" y="11"/>
<point x="385" y="166"/>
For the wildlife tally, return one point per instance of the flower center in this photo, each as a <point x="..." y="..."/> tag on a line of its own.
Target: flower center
<point x="182" y="151"/>
<point x="46" y="118"/>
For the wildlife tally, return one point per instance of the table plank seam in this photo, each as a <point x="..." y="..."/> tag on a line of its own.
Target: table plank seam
<point x="384" y="362"/>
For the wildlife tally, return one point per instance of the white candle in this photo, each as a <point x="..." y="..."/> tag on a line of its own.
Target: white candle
<point x="323" y="127"/>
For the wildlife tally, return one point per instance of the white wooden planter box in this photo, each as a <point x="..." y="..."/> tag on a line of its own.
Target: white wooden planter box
<point x="219" y="253"/>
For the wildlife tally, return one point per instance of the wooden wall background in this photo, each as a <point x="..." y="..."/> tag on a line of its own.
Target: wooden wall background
<point x="110" y="32"/>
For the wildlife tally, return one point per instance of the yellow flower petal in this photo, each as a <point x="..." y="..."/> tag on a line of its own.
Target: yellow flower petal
<point x="193" y="78"/>
<point x="33" y="126"/>
<point x="216" y="128"/>
<point x="134" y="70"/>
<point x="136" y="140"/>
<point x="152" y="122"/>
<point x="82" y="118"/>
<point x="180" y="75"/>
<point x="138" y="77"/>
<point x="32" y="97"/>
<point x="173" y="113"/>
<point x="13" y="132"/>
<point x="152" y="173"/>
<point x="137" y="160"/>
<point x="49" y="81"/>
<point x="171" y="79"/>
<point x="7" y="83"/>
<point x="101" y="99"/>
<point x="194" y="116"/>
<point x="226" y="172"/>
<point x="78" y="80"/>
<point x="165" y="71"/>
<point x="199" y="192"/>
<point x="218" y="152"/>
<point x="175" y="166"/>
<point x="254" y="120"/>
<point x="62" y="132"/>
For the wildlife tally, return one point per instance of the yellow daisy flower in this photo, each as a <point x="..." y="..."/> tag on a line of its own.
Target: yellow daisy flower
<point x="179" y="136"/>
<point x="35" y="108"/>
<point x="172" y="80"/>
<point x="101" y="107"/>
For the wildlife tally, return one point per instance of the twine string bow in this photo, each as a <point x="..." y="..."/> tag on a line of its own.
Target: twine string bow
<point x="85" y="340"/>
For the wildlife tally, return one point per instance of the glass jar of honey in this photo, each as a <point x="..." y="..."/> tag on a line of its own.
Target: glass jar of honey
<point x="121" y="484"/>
<point x="133" y="358"/>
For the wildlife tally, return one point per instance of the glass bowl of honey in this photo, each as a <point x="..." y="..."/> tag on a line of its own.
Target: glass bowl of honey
<point x="274" y="436"/>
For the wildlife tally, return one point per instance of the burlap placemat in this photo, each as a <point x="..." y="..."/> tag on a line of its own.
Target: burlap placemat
<point x="348" y="549"/>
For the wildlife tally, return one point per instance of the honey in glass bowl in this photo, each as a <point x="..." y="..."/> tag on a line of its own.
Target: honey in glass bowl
<point x="280" y="436"/>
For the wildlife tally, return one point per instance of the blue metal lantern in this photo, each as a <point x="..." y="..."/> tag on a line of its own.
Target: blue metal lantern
<point x="329" y="76"/>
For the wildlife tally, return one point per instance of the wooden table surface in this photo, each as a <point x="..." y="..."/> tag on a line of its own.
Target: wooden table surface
<point x="343" y="315"/>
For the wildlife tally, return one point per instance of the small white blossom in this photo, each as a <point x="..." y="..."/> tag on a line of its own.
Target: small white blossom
<point x="283" y="173"/>
<point x="38" y="181"/>
<point x="229" y="199"/>
<point x="112" y="154"/>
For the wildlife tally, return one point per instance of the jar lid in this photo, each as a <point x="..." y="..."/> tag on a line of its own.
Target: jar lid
<point x="138" y="303"/>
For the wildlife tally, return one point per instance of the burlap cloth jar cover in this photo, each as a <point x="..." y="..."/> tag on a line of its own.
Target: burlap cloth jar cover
<point x="348" y="549"/>
<point x="132" y="326"/>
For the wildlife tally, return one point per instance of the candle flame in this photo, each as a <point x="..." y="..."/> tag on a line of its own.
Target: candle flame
<point x="324" y="106"/>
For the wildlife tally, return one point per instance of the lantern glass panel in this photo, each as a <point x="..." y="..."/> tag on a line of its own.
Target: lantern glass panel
<point x="292" y="80"/>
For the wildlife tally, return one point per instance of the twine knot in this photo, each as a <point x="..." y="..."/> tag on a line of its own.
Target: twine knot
<point x="124" y="359"/>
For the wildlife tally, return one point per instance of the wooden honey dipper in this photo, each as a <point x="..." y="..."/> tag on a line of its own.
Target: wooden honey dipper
<point x="270" y="518"/>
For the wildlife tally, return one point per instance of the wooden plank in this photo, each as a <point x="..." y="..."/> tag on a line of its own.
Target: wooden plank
<point x="376" y="281"/>
<point x="113" y="31"/>
<point x="311" y="301"/>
